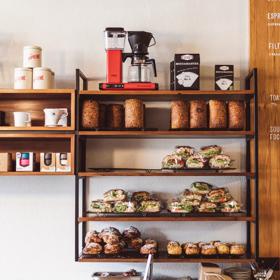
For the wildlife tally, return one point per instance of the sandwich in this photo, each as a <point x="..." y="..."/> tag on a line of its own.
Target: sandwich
<point x="125" y="207"/>
<point x="180" y="207"/>
<point x="184" y="151"/>
<point x="99" y="206"/>
<point x="219" y="195"/>
<point x="173" y="162"/>
<point x="150" y="206"/>
<point x="200" y="188"/>
<point x="115" y="195"/>
<point x="207" y="207"/>
<point x="220" y="161"/>
<point x="141" y="196"/>
<point x="196" y="161"/>
<point x="231" y="206"/>
<point x="188" y="195"/>
<point x="210" y="151"/>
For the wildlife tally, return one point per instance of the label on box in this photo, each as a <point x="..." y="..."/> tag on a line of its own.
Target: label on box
<point x="25" y="161"/>
<point x="224" y="77"/>
<point x="47" y="162"/>
<point x="63" y="162"/>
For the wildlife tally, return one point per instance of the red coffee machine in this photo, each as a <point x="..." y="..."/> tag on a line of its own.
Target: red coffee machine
<point x="139" y="72"/>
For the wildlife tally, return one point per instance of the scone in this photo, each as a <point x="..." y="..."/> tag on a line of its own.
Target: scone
<point x="174" y="248"/>
<point x="223" y="248"/>
<point x="191" y="249"/>
<point x="92" y="249"/>
<point x="208" y="250"/>
<point x="110" y="249"/>
<point x="148" y="249"/>
<point x="151" y="242"/>
<point x="92" y="237"/>
<point x="237" y="249"/>
<point x="135" y="243"/>
<point x="131" y="233"/>
<point x="110" y="235"/>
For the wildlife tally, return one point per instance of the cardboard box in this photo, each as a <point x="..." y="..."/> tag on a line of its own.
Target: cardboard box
<point x="224" y="77"/>
<point x="25" y="161"/>
<point x="63" y="162"/>
<point x="185" y="72"/>
<point x="47" y="162"/>
<point x="6" y="163"/>
<point x="209" y="268"/>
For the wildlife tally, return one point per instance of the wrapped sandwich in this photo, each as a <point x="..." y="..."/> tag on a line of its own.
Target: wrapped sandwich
<point x="196" y="161"/>
<point x="231" y="206"/>
<point x="141" y="196"/>
<point x="100" y="206"/>
<point x="150" y="206"/>
<point x="184" y="151"/>
<point x="201" y="188"/>
<point x="188" y="195"/>
<point x="173" y="162"/>
<point x="207" y="207"/>
<point x="180" y="207"/>
<point x="210" y="151"/>
<point x="115" y="195"/>
<point x="220" y="161"/>
<point x="125" y="207"/>
<point x="219" y="195"/>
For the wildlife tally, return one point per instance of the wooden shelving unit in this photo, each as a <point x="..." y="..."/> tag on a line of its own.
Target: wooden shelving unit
<point x="250" y="173"/>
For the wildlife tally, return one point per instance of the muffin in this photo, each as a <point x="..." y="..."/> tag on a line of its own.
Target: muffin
<point x="174" y="248"/>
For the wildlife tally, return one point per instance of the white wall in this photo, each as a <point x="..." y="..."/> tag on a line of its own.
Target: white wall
<point x="37" y="214"/>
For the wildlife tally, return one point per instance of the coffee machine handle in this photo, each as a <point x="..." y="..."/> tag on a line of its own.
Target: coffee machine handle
<point x="125" y="56"/>
<point x="153" y="62"/>
<point x="154" y="42"/>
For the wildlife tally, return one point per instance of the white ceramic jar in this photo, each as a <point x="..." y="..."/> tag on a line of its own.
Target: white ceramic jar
<point x="42" y="78"/>
<point x="23" y="78"/>
<point x="32" y="56"/>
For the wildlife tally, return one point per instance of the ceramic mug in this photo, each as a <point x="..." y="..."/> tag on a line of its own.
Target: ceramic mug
<point x="55" y="117"/>
<point x="22" y="119"/>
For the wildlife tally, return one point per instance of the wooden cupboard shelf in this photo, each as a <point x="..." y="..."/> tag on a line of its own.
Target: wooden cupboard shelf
<point x="36" y="128"/>
<point x="164" y="258"/>
<point x="166" y="219"/>
<point x="164" y="173"/>
<point x="35" y="173"/>
<point x="14" y="135"/>
<point x="168" y="134"/>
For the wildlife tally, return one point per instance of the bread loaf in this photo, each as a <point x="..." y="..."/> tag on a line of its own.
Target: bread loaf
<point x="179" y="115"/>
<point x="198" y="114"/>
<point x="134" y="113"/>
<point x="90" y="114"/>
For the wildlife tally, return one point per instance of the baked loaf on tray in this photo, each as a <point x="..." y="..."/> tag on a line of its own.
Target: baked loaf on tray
<point x="217" y="114"/>
<point x="179" y="115"/>
<point x="198" y="114"/>
<point x="134" y="113"/>
<point x="236" y="113"/>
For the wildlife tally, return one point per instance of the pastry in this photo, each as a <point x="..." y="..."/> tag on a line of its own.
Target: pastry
<point x="198" y="114"/>
<point x="174" y="248"/>
<point x="184" y="151"/>
<point x="148" y="249"/>
<point x="230" y="206"/>
<point x="150" y="206"/>
<point x="180" y="207"/>
<point x="131" y="233"/>
<point x="220" y="161"/>
<point x="191" y="248"/>
<point x="92" y="237"/>
<point x="219" y="195"/>
<point x="208" y="250"/>
<point x="110" y="249"/>
<point x="200" y="244"/>
<point x="92" y="249"/>
<point x="135" y="243"/>
<point x="223" y="248"/>
<point x="90" y="114"/>
<point x="115" y="195"/>
<point x="99" y="206"/>
<point x="190" y="195"/>
<point x="115" y="116"/>
<point x="236" y="115"/>
<point x="195" y="161"/>
<point x="151" y="242"/>
<point x="237" y="249"/>
<point x="125" y="207"/>
<point x="110" y="235"/>
<point x="201" y="188"/>
<point x="217" y="114"/>
<point x="140" y="196"/>
<point x="134" y="113"/>
<point x="179" y="115"/>
<point x="173" y="162"/>
<point x="210" y="151"/>
<point x="207" y="207"/>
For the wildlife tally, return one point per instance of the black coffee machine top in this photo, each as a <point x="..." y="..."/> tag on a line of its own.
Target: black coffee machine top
<point x="139" y="42"/>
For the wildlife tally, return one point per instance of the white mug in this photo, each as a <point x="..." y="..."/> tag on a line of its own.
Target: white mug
<point x="55" y="117"/>
<point x="22" y="119"/>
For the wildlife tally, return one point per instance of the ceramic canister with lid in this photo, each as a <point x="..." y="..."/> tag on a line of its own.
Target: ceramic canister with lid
<point x="32" y="56"/>
<point x="42" y="78"/>
<point x="23" y="78"/>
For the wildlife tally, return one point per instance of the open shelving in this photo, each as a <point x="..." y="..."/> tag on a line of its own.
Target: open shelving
<point x="249" y="134"/>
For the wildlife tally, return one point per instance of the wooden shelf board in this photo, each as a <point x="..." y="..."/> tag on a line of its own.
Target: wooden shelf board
<point x="37" y="91"/>
<point x="165" y="219"/>
<point x="35" y="173"/>
<point x="165" y="259"/>
<point x="169" y="134"/>
<point x="35" y="128"/>
<point x="34" y="135"/>
<point x="167" y="174"/>
<point x="166" y="92"/>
